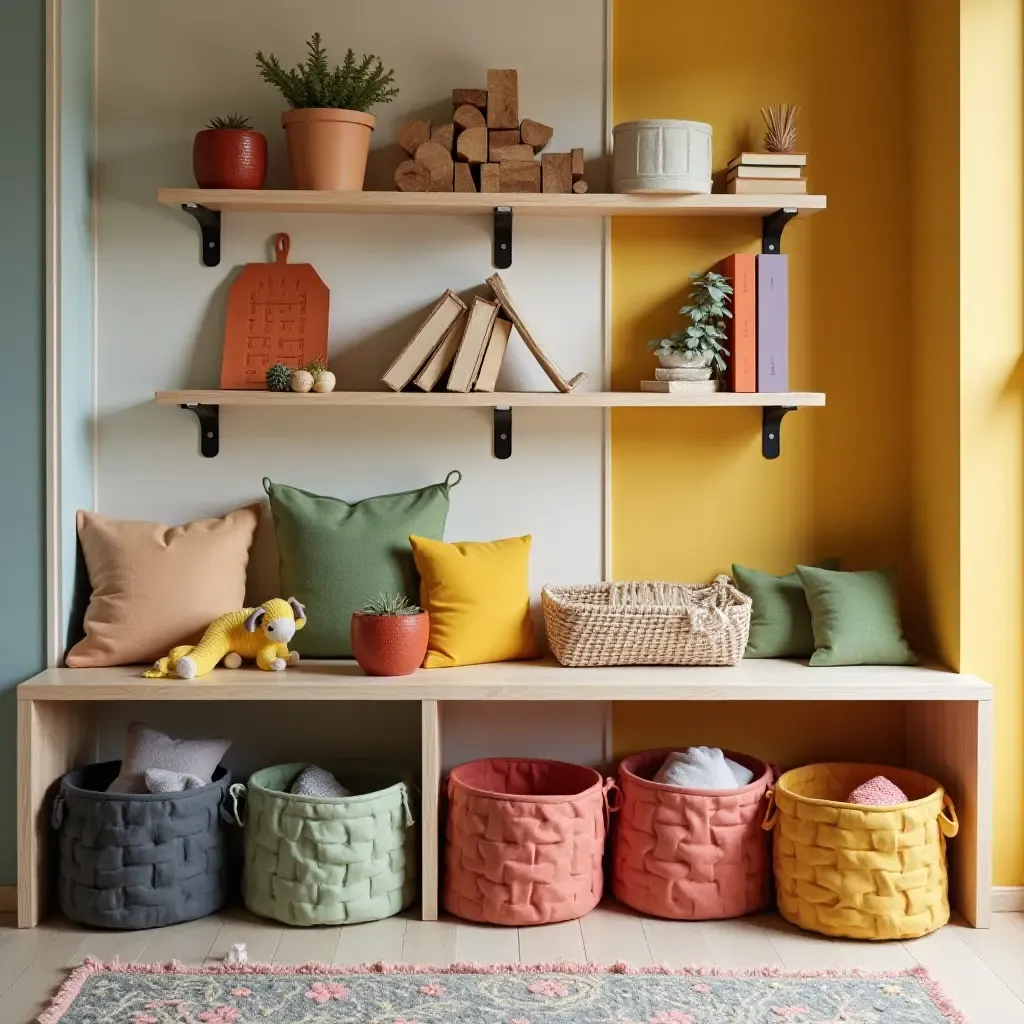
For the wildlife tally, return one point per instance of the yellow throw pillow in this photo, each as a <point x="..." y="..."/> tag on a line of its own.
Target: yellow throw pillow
<point x="478" y="597"/>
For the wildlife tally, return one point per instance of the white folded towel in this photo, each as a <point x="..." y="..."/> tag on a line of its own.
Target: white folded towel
<point x="702" y="768"/>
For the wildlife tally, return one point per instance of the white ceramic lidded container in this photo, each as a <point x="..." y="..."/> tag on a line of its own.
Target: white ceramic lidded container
<point x="662" y="155"/>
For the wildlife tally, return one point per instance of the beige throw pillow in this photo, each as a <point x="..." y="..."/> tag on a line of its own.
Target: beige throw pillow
<point x="154" y="586"/>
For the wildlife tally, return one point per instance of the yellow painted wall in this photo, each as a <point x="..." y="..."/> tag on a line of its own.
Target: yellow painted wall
<point x="690" y="490"/>
<point x="992" y="393"/>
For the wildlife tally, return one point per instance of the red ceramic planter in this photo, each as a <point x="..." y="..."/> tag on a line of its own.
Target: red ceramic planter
<point x="390" y="645"/>
<point x="229" y="158"/>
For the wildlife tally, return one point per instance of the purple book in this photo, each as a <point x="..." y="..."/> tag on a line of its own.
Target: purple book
<point x="773" y="323"/>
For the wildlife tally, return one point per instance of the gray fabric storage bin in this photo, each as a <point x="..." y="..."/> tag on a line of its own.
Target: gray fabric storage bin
<point x="139" y="860"/>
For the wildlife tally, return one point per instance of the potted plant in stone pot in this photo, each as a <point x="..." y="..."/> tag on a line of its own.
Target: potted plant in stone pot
<point x="227" y="153"/>
<point x="389" y="636"/>
<point x="328" y="126"/>
<point x="698" y="351"/>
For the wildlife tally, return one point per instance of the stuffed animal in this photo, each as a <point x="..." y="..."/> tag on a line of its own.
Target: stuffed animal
<point x="261" y="633"/>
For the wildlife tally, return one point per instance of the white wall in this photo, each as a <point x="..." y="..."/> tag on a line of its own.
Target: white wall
<point x="164" y="69"/>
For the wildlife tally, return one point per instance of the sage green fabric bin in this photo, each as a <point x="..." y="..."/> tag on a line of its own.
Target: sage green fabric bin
<point x="329" y="860"/>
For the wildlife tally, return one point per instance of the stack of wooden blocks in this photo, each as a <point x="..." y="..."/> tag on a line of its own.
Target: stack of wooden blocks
<point x="486" y="148"/>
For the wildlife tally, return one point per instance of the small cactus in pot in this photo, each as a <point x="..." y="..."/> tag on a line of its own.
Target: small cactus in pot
<point x="323" y="380"/>
<point x="389" y="636"/>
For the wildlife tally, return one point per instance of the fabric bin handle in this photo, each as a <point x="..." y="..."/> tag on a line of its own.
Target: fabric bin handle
<point x="771" y="811"/>
<point x="612" y="797"/>
<point x="235" y="814"/>
<point x="57" y="811"/>
<point x="948" y="826"/>
<point x="409" y="819"/>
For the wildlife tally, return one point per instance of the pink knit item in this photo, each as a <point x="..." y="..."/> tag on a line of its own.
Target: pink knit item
<point x="878" y="792"/>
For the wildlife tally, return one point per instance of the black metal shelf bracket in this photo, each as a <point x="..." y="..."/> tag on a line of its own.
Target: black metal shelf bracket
<point x="771" y="429"/>
<point x="502" y="432"/>
<point x="209" y="226"/>
<point x="772" y="226"/>
<point x="209" y="428"/>
<point x="503" y="237"/>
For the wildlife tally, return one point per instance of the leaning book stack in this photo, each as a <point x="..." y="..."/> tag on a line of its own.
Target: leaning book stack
<point x="767" y="174"/>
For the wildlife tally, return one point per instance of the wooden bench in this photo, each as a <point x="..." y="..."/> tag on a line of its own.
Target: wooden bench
<point x="949" y="728"/>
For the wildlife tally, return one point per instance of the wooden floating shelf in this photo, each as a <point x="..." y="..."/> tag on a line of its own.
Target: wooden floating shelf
<point x="493" y="399"/>
<point x="461" y="203"/>
<point x="758" y="679"/>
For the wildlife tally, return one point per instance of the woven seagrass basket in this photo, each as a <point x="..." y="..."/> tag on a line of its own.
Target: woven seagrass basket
<point x="646" y="623"/>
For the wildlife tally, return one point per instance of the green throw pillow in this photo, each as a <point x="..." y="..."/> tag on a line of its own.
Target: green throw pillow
<point x="780" y="621"/>
<point x="337" y="555"/>
<point x="855" y="617"/>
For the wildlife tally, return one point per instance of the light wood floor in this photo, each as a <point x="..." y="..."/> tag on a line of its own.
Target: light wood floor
<point x="983" y="971"/>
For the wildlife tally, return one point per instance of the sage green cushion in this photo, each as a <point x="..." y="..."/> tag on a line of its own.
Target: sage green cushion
<point x="337" y="555"/>
<point x="329" y="860"/>
<point x="780" y="621"/>
<point x="855" y="617"/>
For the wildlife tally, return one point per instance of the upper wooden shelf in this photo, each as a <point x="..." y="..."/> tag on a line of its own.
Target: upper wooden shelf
<point x="539" y="204"/>
<point x="524" y="680"/>
<point x="492" y="399"/>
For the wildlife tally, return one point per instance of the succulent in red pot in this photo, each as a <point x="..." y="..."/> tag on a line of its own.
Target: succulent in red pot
<point x="227" y="153"/>
<point x="389" y="636"/>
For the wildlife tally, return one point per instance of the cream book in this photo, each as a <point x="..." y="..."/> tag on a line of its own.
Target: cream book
<point x="474" y="341"/>
<point x="680" y="387"/>
<point x="746" y="171"/>
<point x="769" y="160"/>
<point x="488" y="376"/>
<point x="765" y="186"/>
<point x="438" y="363"/>
<point x="448" y="308"/>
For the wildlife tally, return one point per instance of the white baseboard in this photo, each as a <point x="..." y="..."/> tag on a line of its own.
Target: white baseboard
<point x="8" y="899"/>
<point x="1007" y="899"/>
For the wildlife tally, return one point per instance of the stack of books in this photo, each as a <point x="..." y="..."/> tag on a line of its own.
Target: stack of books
<point x="767" y="173"/>
<point x="461" y="346"/>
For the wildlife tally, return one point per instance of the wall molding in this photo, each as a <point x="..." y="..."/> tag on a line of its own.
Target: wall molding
<point x="1007" y="899"/>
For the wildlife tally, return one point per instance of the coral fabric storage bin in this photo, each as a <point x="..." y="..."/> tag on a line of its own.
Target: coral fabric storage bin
<point x="525" y="841"/>
<point x="139" y="860"/>
<point x="329" y="860"/>
<point x="690" y="854"/>
<point x="861" y="872"/>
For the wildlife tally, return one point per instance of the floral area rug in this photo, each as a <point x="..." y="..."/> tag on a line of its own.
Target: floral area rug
<point x="116" y="993"/>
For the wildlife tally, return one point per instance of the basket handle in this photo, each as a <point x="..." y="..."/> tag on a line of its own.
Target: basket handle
<point x="612" y="796"/>
<point x="409" y="819"/>
<point x="771" y="811"/>
<point x="236" y="813"/>
<point x="948" y="826"/>
<point x="57" y="811"/>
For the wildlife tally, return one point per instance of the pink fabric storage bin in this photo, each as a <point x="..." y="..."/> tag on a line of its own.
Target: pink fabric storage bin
<point x="691" y="854"/>
<point x="525" y="839"/>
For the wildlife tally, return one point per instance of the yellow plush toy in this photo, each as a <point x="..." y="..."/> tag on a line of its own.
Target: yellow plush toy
<point x="261" y="633"/>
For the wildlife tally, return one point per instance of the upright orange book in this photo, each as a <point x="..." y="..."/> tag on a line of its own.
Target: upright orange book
<point x="741" y="363"/>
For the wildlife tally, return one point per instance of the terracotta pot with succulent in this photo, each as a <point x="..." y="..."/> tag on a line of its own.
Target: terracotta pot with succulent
<point x="697" y="352"/>
<point x="328" y="126"/>
<point x="227" y="153"/>
<point x="389" y="636"/>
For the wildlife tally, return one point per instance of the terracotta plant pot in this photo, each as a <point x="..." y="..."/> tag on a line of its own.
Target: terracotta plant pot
<point x="229" y="158"/>
<point x="390" y="645"/>
<point x="327" y="148"/>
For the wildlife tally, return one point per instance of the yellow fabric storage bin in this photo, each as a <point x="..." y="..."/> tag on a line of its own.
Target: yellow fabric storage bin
<point x="860" y="872"/>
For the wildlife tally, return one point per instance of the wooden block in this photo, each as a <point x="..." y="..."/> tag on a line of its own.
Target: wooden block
<point x="490" y="177"/>
<point x="412" y="177"/>
<point x="474" y="97"/>
<point x="412" y="135"/>
<point x="557" y="171"/>
<point x="468" y="116"/>
<point x="464" y="178"/>
<point x="519" y="177"/>
<point x="502" y="99"/>
<point x="500" y="139"/>
<point x="439" y="163"/>
<point x="579" y="187"/>
<point x="518" y="154"/>
<point x="577" y="164"/>
<point x="536" y="134"/>
<point x="443" y="135"/>
<point x="471" y="145"/>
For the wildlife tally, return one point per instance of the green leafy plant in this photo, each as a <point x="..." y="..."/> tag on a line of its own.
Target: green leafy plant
<point x="279" y="377"/>
<point x="313" y="84"/>
<point x="391" y="604"/>
<point x="707" y="308"/>
<point x="234" y="120"/>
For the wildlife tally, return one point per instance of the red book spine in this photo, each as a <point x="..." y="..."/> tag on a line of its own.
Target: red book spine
<point x="741" y="270"/>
